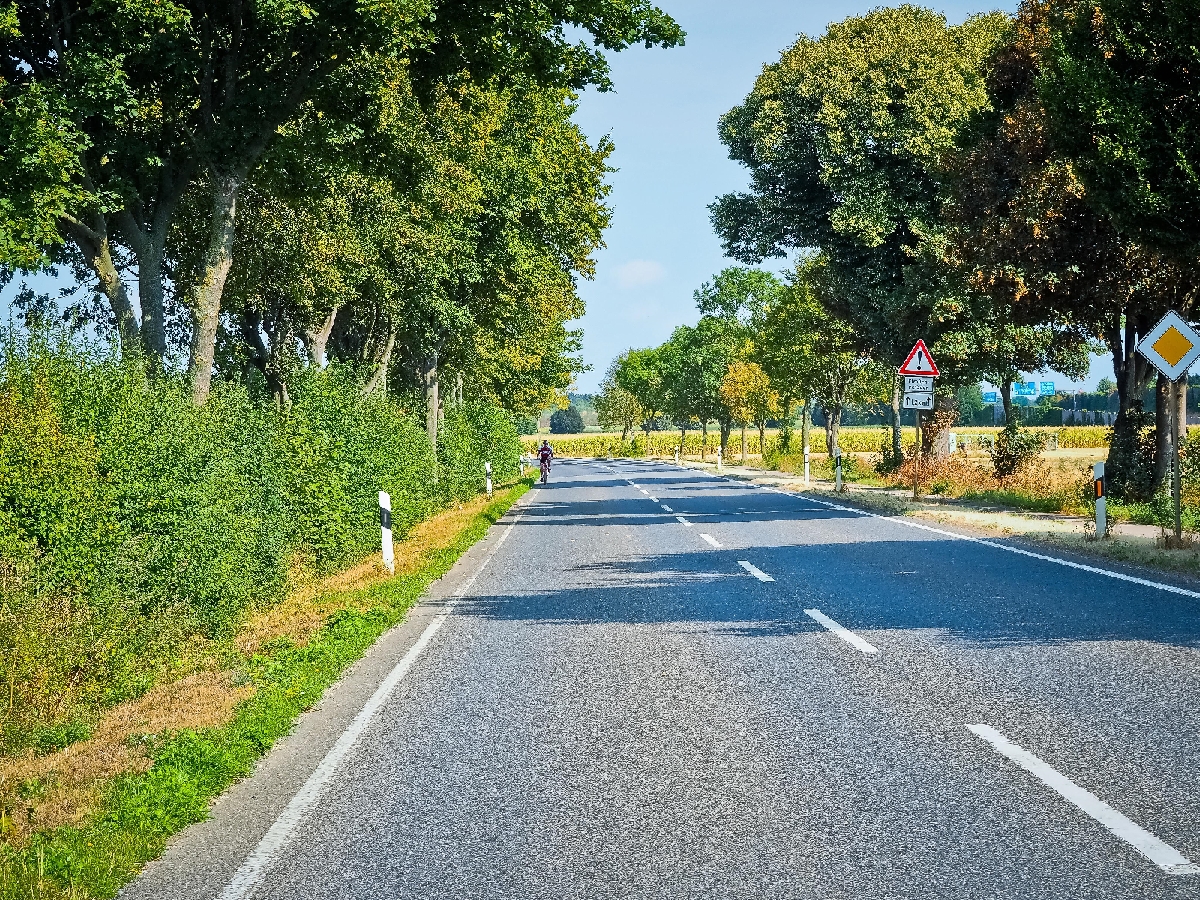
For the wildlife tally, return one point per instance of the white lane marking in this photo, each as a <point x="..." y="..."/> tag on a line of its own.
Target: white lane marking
<point x="251" y="872"/>
<point x="1162" y="855"/>
<point x="684" y="521"/>
<point x="844" y="633"/>
<point x="755" y="571"/>
<point x="655" y="499"/>
<point x="712" y="540"/>
<point x="667" y="508"/>
<point x="1108" y="573"/>
<point x="644" y="491"/>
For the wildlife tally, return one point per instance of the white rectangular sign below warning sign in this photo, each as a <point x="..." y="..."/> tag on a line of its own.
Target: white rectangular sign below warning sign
<point x="920" y="400"/>
<point x="917" y="384"/>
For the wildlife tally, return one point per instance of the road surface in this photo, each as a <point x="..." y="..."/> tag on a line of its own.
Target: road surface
<point x="651" y="682"/>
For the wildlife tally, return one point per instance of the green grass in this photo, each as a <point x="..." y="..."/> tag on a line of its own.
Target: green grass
<point x="1051" y="503"/>
<point x="141" y="812"/>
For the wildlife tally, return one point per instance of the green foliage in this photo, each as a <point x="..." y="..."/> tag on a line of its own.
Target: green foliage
<point x="473" y="434"/>
<point x="1113" y="85"/>
<point x="1014" y="449"/>
<point x="132" y="520"/>
<point x="190" y="768"/>
<point x="566" y="421"/>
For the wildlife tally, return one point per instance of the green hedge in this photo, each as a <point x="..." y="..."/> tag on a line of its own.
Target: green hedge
<point x="132" y="522"/>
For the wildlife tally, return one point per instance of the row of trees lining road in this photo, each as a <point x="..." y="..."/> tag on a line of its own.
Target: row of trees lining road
<point x="1016" y="191"/>
<point x="760" y="346"/>
<point x="396" y="185"/>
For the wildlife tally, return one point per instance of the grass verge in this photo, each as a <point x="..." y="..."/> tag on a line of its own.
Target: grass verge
<point x="138" y="811"/>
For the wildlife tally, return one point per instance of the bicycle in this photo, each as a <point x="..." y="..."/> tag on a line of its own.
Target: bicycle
<point x="545" y="470"/>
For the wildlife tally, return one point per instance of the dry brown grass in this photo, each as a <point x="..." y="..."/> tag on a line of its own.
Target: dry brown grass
<point x="308" y="607"/>
<point x="65" y="787"/>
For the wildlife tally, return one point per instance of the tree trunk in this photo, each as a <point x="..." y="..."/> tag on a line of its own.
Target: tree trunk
<point x="624" y="432"/>
<point x="1162" y="436"/>
<point x="379" y="378"/>
<point x="833" y="419"/>
<point x="703" y="439"/>
<point x="217" y="261"/>
<point x="897" y="433"/>
<point x="317" y="339"/>
<point x="1181" y="391"/>
<point x="1129" y="470"/>
<point x="743" y="443"/>
<point x="785" y="431"/>
<point x="682" y="438"/>
<point x="805" y="423"/>
<point x="150" y="296"/>
<point x="431" y="399"/>
<point x="726" y="429"/>
<point x="93" y="243"/>
<point x="1006" y="399"/>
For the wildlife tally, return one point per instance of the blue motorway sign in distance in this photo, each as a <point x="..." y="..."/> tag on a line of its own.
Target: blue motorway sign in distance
<point x="1027" y="389"/>
<point x="991" y="396"/>
<point x="1045" y="387"/>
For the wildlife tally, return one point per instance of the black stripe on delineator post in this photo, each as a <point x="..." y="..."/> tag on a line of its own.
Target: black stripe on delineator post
<point x="385" y="518"/>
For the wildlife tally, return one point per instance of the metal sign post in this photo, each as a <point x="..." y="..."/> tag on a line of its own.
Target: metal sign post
<point x="1171" y="347"/>
<point x="918" y="372"/>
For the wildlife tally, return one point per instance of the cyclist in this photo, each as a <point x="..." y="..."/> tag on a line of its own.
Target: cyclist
<point x="545" y="454"/>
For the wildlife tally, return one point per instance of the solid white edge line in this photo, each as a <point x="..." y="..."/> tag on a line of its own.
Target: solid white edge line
<point x="754" y="570"/>
<point x="844" y="633"/>
<point x="712" y="540"/>
<point x="252" y="870"/>
<point x="1108" y="573"/>
<point x="684" y="521"/>
<point x="1162" y="855"/>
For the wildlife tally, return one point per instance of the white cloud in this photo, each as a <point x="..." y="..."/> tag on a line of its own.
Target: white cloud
<point x="639" y="272"/>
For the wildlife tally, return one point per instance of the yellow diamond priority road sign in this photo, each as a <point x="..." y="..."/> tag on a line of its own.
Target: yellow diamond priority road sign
<point x="1171" y="346"/>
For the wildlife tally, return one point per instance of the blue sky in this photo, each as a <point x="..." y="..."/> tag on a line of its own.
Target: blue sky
<point x="663" y="119"/>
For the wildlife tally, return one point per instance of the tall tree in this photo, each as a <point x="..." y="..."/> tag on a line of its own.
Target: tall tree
<point x="615" y="406"/>
<point x="843" y="138"/>
<point x="164" y="98"/>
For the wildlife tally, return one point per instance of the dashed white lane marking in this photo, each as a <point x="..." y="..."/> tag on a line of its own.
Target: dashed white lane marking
<point x="251" y="872"/>
<point x="644" y="491"/>
<point x="655" y="499"/>
<point x="844" y="633"/>
<point x="754" y="570"/>
<point x="1108" y="573"/>
<point x="712" y="540"/>
<point x="1162" y="855"/>
<point x="684" y="521"/>
<point x="667" y="508"/>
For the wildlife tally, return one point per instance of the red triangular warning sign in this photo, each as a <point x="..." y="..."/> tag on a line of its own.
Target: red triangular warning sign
<point x="919" y="362"/>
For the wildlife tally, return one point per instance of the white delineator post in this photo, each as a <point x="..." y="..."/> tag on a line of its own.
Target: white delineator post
<point x="1101" y="500"/>
<point x="521" y="465"/>
<point x="385" y="528"/>
<point x="719" y="459"/>
<point x="676" y="456"/>
<point x="487" y="474"/>
<point x="837" y="469"/>
<point x="806" y="465"/>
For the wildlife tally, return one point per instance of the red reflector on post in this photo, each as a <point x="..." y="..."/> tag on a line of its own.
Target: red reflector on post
<point x="1099" y="488"/>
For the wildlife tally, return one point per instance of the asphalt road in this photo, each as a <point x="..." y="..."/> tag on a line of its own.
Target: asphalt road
<point x="621" y="705"/>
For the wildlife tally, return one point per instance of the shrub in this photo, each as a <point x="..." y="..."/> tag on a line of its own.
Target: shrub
<point x="1014" y="449"/>
<point x="133" y="522"/>
<point x="566" y="421"/>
